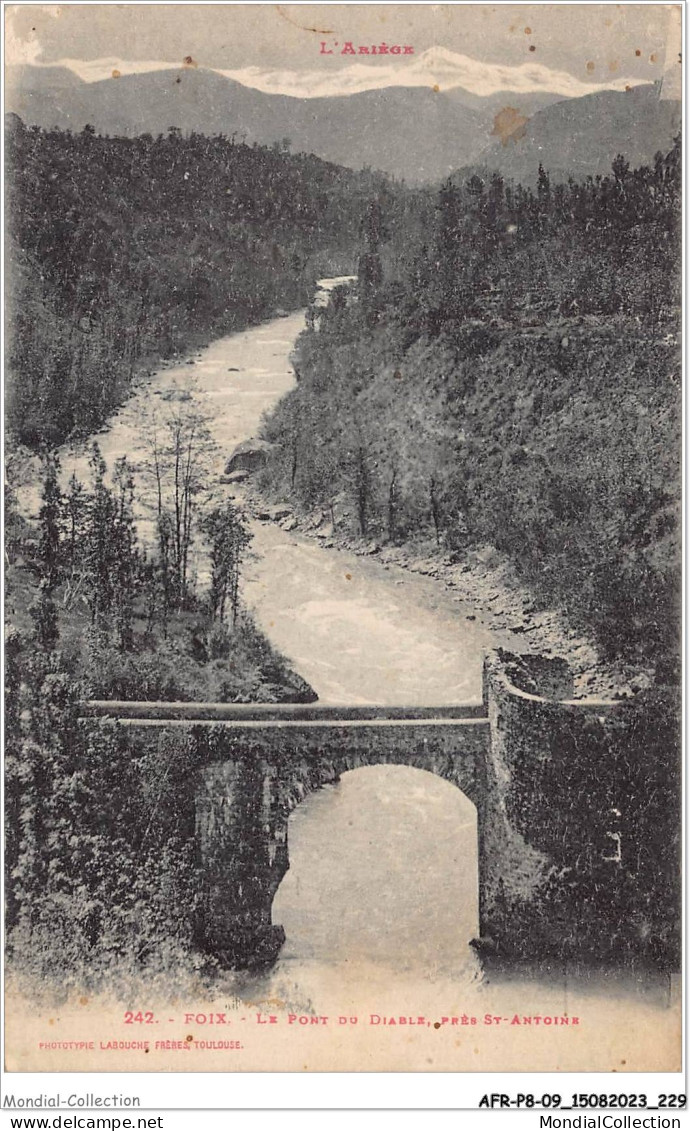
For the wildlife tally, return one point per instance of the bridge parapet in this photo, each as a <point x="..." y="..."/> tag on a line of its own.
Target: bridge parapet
<point x="147" y="710"/>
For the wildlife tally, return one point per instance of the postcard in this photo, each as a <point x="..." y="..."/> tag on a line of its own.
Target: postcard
<point x="342" y="538"/>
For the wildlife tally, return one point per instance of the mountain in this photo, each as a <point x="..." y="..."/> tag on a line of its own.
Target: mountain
<point x="580" y="137"/>
<point x="40" y="94"/>
<point x="437" y="67"/>
<point x="416" y="132"/>
<point x="488" y="105"/>
<point x="24" y="80"/>
<point x="412" y="132"/>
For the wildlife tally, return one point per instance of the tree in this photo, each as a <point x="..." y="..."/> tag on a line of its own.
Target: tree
<point x="74" y="522"/>
<point x="360" y="477"/>
<point x="369" y="266"/>
<point x="543" y="188"/>
<point x="98" y="557"/>
<point x="44" y="615"/>
<point x="228" y="538"/>
<point x="179" y="467"/>
<point x="449" y="228"/>
<point x="15" y="770"/>
<point x="50" y="525"/>
<point x="620" y="168"/>
<point x="126" y="565"/>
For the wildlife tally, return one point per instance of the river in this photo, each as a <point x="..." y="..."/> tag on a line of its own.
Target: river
<point x="360" y="632"/>
<point x="380" y="900"/>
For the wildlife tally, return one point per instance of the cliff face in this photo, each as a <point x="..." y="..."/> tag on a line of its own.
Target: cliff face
<point x="594" y="789"/>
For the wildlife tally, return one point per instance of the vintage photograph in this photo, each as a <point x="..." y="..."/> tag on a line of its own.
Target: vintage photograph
<point x="343" y="537"/>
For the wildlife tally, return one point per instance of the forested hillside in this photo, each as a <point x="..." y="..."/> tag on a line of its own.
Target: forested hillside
<point x="122" y="251"/>
<point x="507" y="372"/>
<point x="97" y="877"/>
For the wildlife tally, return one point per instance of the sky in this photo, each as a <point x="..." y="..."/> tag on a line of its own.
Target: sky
<point x="280" y="45"/>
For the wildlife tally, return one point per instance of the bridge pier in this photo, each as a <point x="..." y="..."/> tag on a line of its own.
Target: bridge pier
<point x="242" y="849"/>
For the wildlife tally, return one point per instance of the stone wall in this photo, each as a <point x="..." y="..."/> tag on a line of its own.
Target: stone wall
<point x="584" y="799"/>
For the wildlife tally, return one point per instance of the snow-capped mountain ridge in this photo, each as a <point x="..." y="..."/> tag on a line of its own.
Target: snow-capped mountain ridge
<point x="437" y="67"/>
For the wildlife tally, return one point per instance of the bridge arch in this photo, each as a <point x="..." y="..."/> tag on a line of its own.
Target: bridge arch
<point x="384" y="863"/>
<point x="246" y="793"/>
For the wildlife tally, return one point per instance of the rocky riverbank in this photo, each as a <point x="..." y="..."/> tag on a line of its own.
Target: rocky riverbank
<point x="483" y="578"/>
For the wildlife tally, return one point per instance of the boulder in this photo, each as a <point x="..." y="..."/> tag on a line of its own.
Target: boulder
<point x="249" y="456"/>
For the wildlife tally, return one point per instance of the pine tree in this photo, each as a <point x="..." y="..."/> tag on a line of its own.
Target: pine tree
<point x="74" y="523"/>
<point x="98" y="545"/>
<point x="50" y="526"/>
<point x="449" y="252"/>
<point x="126" y="564"/>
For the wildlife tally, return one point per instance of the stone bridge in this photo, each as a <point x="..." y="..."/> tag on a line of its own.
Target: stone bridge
<point x="558" y="820"/>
